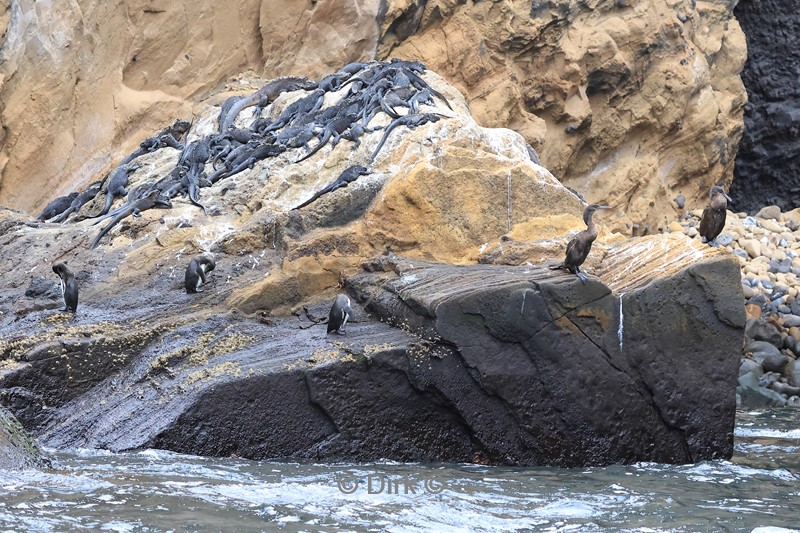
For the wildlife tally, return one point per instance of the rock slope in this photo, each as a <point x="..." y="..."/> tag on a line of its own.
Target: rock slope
<point x="447" y="358"/>
<point x="630" y="103"/>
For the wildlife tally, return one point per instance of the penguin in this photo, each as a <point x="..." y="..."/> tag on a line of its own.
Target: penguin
<point x="340" y="312"/>
<point x="714" y="214"/>
<point x="196" y="272"/>
<point x="69" y="287"/>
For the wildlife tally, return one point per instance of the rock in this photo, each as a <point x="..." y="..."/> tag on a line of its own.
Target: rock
<point x="767" y="355"/>
<point x="792" y="373"/>
<point x="600" y="50"/>
<point x="244" y="369"/>
<point x="760" y="330"/>
<point x="784" y="388"/>
<point x="789" y="343"/>
<point x="675" y="226"/>
<point x="791" y="321"/>
<point x="680" y="201"/>
<point x="191" y="388"/>
<point x="740" y="253"/>
<point x="43" y="288"/>
<point x="749" y="292"/>
<point x="18" y="449"/>
<point x="782" y="267"/>
<point x="772" y="212"/>
<point x="750" y="221"/>
<point x="753" y="395"/>
<point x="751" y="246"/>
<point x="792" y="219"/>
<point x="725" y="238"/>
<point x="772" y="111"/>
<point x="748" y="366"/>
<point x="753" y="311"/>
<point x="692" y="232"/>
<point x="771" y="225"/>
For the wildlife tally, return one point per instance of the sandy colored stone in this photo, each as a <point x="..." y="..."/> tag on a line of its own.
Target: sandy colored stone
<point x="753" y="311"/>
<point x="751" y="246"/>
<point x="771" y="225"/>
<point x="675" y="227"/>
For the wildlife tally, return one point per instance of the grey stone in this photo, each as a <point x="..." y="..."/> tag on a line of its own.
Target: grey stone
<point x="780" y="267"/>
<point x="767" y="355"/>
<point x="748" y="365"/>
<point x="741" y="253"/>
<point x="785" y="388"/>
<point x="792" y="373"/>
<point x="725" y="238"/>
<point x="790" y="321"/>
<point x="752" y="394"/>
<point x="760" y="330"/>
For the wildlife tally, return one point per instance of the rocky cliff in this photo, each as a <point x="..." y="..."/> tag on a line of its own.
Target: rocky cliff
<point x="628" y="102"/>
<point x="466" y="345"/>
<point x="767" y="166"/>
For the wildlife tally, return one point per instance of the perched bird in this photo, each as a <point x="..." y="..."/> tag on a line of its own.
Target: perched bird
<point x="69" y="287"/>
<point x="580" y="245"/>
<point x="340" y="312"/>
<point x="713" y="219"/>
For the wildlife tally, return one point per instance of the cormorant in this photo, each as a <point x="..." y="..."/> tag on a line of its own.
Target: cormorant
<point x="713" y="219"/>
<point x="580" y="245"/>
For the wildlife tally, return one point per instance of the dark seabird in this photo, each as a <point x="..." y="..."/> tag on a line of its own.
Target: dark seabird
<point x="714" y="214"/>
<point x="580" y="245"/>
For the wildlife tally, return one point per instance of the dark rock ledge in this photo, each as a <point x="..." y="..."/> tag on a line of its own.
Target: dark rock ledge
<point x="510" y="365"/>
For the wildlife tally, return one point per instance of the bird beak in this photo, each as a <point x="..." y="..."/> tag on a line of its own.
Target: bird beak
<point x="728" y="197"/>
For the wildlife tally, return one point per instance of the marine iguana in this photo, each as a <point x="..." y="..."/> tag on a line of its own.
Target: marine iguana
<point x="149" y="201"/>
<point x="333" y="129"/>
<point x="117" y="183"/>
<point x="348" y="175"/>
<point x="83" y="197"/>
<point x="411" y="121"/>
<point x="266" y="94"/>
<point x="169" y="136"/>
<point x="57" y="206"/>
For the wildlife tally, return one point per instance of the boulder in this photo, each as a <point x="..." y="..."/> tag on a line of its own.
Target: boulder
<point x="18" y="449"/>
<point x="761" y="330"/>
<point x="767" y="355"/>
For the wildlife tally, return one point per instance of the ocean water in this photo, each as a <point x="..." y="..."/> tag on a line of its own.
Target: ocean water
<point x="154" y="490"/>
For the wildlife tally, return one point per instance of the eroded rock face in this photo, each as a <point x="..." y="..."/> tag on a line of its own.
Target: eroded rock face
<point x="245" y="367"/>
<point x="630" y="103"/>
<point x="767" y="165"/>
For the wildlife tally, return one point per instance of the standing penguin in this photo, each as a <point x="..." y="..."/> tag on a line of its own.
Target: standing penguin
<point x="196" y="272"/>
<point x="714" y="214"/>
<point x="69" y="287"/>
<point x="340" y="312"/>
<point x="579" y="247"/>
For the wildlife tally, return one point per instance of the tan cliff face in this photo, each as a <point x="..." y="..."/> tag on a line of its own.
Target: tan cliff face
<point x="624" y="102"/>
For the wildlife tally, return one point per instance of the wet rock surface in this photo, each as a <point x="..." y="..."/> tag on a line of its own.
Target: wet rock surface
<point x="18" y="449"/>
